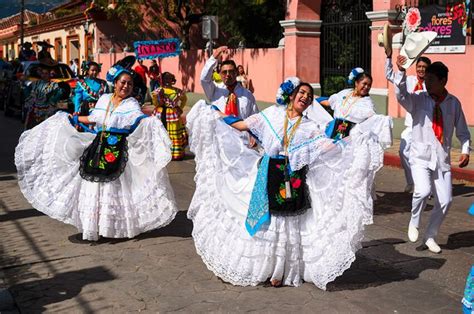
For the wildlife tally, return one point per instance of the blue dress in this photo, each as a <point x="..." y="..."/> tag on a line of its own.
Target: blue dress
<point x="87" y="92"/>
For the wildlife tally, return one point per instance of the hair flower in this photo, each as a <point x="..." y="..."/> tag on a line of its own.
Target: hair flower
<point x="286" y="89"/>
<point x="353" y="74"/>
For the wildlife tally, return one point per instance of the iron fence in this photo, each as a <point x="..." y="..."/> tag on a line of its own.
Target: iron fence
<point x="345" y="41"/>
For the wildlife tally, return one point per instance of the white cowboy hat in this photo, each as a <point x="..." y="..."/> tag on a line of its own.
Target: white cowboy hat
<point x="384" y="39"/>
<point x="415" y="44"/>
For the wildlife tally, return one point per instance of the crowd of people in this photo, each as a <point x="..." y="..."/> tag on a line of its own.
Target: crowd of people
<point x="282" y="195"/>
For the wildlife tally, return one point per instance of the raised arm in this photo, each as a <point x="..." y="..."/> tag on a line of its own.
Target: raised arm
<point x="389" y="73"/>
<point x="403" y="96"/>
<point x="206" y="74"/>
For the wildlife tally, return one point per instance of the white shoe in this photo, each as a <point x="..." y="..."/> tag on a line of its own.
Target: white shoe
<point x="409" y="188"/>
<point x="412" y="233"/>
<point x="433" y="246"/>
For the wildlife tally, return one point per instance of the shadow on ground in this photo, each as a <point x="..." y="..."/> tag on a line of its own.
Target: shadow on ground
<point x="181" y="227"/>
<point x="459" y="240"/>
<point x="379" y="263"/>
<point x="20" y="214"/>
<point x="392" y="202"/>
<point x="37" y="294"/>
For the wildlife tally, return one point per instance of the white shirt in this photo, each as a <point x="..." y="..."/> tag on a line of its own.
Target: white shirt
<point x="355" y="110"/>
<point x="123" y="117"/>
<point x="74" y="68"/>
<point x="218" y="94"/>
<point x="426" y="150"/>
<point x="412" y="80"/>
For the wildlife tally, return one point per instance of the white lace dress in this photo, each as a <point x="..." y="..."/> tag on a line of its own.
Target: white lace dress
<point x="316" y="246"/>
<point x="47" y="159"/>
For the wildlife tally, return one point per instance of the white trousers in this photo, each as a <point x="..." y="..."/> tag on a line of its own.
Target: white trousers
<point x="404" y="152"/>
<point x="426" y="182"/>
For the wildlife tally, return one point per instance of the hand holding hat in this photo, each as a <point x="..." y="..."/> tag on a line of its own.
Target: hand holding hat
<point x="415" y="45"/>
<point x="384" y="39"/>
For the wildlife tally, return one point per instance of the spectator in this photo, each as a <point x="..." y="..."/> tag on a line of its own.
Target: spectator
<point x="75" y="66"/>
<point x="154" y="74"/>
<point x="141" y="70"/>
<point x="26" y="53"/>
<point x="44" y="52"/>
<point x="243" y="79"/>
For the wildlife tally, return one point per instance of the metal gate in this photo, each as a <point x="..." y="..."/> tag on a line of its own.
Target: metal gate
<point x="345" y="41"/>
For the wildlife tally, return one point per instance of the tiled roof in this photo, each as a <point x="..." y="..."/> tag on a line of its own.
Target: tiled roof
<point x="15" y="19"/>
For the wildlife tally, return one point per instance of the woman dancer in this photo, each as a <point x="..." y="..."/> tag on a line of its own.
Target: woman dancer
<point x="89" y="89"/>
<point x="295" y="215"/>
<point x="169" y="102"/>
<point x="41" y="98"/>
<point x="351" y="106"/>
<point x="112" y="183"/>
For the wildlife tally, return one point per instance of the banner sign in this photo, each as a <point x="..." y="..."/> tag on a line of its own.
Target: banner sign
<point x="450" y="22"/>
<point x="157" y="48"/>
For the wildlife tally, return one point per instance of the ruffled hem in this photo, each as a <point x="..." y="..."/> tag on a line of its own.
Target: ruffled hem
<point x="317" y="246"/>
<point x="141" y="199"/>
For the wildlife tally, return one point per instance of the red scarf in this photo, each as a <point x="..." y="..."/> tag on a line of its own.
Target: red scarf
<point x="438" y="118"/>
<point x="231" y="107"/>
<point x="419" y="85"/>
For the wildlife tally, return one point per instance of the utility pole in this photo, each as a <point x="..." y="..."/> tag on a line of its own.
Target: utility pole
<point x="22" y="22"/>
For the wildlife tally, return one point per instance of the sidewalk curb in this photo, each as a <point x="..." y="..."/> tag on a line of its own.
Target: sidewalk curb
<point x="457" y="173"/>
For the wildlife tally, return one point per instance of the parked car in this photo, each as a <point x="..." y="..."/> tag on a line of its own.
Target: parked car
<point x="26" y="74"/>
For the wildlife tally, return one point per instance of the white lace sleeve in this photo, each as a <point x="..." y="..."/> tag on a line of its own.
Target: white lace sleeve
<point x="312" y="150"/>
<point x="128" y="113"/>
<point x="256" y="125"/>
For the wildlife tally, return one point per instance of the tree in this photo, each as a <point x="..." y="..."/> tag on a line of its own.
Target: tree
<point x="127" y="12"/>
<point x="254" y="22"/>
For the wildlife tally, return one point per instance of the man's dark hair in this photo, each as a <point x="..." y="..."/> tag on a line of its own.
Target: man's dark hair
<point x="438" y="69"/>
<point x="231" y="62"/>
<point x="424" y="59"/>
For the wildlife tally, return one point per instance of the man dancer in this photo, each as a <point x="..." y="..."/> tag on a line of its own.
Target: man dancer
<point x="436" y="114"/>
<point x="414" y="84"/>
<point x="232" y="98"/>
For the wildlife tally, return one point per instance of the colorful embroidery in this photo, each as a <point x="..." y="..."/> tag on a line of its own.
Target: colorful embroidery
<point x="111" y="151"/>
<point x="295" y="181"/>
<point x="90" y="92"/>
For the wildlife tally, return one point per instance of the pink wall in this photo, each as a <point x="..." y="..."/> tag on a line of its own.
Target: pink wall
<point x="264" y="67"/>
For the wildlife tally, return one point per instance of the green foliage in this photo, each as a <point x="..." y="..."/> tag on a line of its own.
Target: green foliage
<point x="255" y="22"/>
<point x="127" y="12"/>
<point x="333" y="84"/>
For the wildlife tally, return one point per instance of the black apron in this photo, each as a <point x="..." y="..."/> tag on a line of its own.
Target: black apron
<point x="104" y="161"/>
<point x="278" y="204"/>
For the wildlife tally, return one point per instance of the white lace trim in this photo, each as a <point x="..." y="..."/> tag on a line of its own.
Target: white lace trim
<point x="47" y="160"/>
<point x="315" y="247"/>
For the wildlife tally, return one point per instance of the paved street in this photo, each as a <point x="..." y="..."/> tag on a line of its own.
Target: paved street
<point x="45" y="268"/>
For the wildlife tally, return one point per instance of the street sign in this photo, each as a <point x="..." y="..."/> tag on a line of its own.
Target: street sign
<point x="157" y="48"/>
<point x="210" y="27"/>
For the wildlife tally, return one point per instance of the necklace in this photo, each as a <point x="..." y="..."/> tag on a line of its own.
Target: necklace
<point x="287" y="138"/>
<point x="346" y="106"/>
<point x="104" y="123"/>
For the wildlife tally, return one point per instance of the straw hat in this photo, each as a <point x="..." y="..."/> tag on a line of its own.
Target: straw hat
<point x="414" y="46"/>
<point x="384" y="39"/>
